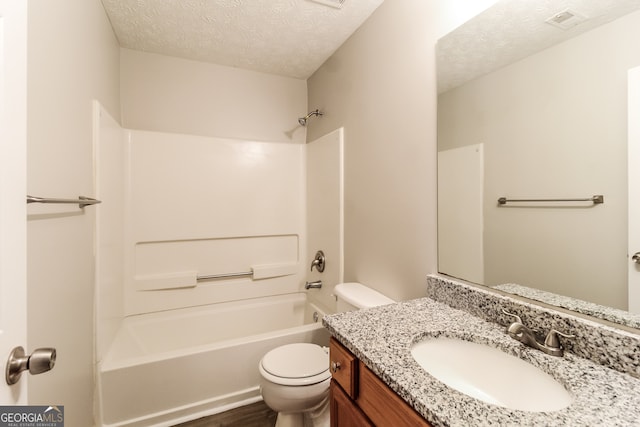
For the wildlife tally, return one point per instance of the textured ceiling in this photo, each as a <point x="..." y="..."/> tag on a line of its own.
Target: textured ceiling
<point x="285" y="37"/>
<point x="514" y="29"/>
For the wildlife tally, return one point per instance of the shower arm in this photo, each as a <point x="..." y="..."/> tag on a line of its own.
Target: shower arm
<point x="303" y="120"/>
<point x="314" y="113"/>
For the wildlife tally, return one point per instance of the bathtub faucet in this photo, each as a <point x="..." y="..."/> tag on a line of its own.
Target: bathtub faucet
<point x="313" y="285"/>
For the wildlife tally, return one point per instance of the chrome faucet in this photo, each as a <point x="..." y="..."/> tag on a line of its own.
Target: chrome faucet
<point x="313" y="285"/>
<point x="551" y="345"/>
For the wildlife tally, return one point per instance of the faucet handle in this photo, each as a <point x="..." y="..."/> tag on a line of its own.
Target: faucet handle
<point x="552" y="340"/>
<point x="512" y="315"/>
<point x="318" y="262"/>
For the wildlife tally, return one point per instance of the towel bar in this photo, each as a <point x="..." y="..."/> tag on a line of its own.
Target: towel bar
<point x="597" y="199"/>
<point x="224" y="275"/>
<point x="81" y="201"/>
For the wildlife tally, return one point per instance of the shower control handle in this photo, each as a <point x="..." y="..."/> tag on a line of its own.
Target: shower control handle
<point x="41" y="360"/>
<point x="318" y="262"/>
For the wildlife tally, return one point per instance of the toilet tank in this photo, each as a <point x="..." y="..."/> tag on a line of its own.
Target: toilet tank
<point x="354" y="296"/>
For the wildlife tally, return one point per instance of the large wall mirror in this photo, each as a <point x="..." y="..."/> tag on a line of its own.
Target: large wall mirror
<point x="533" y="104"/>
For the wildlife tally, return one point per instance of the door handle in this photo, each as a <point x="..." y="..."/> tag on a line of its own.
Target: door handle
<point x="41" y="360"/>
<point x="636" y="257"/>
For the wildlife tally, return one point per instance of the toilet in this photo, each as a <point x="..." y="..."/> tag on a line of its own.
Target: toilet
<point x="295" y="378"/>
<point x="354" y="296"/>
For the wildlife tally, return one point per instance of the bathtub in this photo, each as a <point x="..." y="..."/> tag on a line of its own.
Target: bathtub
<point x="174" y="366"/>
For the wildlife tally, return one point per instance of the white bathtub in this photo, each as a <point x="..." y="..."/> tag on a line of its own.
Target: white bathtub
<point x="178" y="365"/>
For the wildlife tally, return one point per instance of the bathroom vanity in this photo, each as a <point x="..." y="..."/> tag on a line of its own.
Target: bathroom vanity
<point x="377" y="381"/>
<point x="359" y="398"/>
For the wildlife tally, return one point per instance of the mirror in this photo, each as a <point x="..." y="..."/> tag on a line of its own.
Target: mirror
<point x="530" y="109"/>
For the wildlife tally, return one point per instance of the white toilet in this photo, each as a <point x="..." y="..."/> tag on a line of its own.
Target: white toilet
<point x="294" y="378"/>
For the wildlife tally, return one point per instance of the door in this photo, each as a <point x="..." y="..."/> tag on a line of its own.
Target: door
<point x="634" y="190"/>
<point x="13" y="135"/>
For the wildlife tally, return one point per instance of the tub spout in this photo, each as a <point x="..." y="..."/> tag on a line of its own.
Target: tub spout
<point x="313" y="285"/>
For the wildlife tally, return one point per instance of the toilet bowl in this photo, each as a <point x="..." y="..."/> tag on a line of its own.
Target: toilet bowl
<point x="295" y="378"/>
<point x="294" y="381"/>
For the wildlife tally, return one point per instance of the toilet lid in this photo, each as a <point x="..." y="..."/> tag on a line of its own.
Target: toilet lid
<point x="296" y="360"/>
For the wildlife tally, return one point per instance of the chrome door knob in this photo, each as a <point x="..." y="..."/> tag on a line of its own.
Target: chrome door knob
<point x="41" y="360"/>
<point x="636" y="257"/>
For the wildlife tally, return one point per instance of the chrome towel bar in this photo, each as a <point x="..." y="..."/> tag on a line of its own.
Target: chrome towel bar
<point x="224" y="276"/>
<point x="596" y="200"/>
<point x="258" y="272"/>
<point x="81" y="201"/>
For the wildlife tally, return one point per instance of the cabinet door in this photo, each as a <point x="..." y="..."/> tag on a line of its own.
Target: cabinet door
<point x="344" y="367"/>
<point x="344" y="412"/>
<point x="382" y="405"/>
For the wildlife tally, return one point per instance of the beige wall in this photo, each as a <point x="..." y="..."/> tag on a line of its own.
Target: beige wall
<point x="380" y="85"/>
<point x="167" y="94"/>
<point x="72" y="59"/>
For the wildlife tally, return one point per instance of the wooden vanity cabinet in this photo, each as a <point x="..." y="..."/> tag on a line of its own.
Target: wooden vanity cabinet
<point x="344" y="412"/>
<point x="358" y="398"/>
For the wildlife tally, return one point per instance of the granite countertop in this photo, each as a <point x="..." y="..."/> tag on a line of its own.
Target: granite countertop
<point x="621" y="317"/>
<point x="381" y="338"/>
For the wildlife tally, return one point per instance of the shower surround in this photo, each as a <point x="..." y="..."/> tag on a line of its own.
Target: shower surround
<point x="180" y="207"/>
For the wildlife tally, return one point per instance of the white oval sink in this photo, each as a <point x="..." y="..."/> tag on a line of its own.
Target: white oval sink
<point x="490" y="375"/>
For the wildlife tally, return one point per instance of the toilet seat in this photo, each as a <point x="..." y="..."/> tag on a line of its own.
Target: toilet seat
<point x="296" y="364"/>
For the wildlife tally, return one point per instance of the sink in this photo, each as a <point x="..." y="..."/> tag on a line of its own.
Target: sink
<point x="490" y="375"/>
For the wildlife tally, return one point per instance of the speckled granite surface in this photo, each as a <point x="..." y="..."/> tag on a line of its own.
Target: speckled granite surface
<point x="381" y="337"/>
<point x="604" y="345"/>
<point x="585" y="307"/>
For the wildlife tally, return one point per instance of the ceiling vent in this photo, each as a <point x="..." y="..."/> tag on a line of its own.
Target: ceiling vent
<point x="332" y="3"/>
<point x="566" y="19"/>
